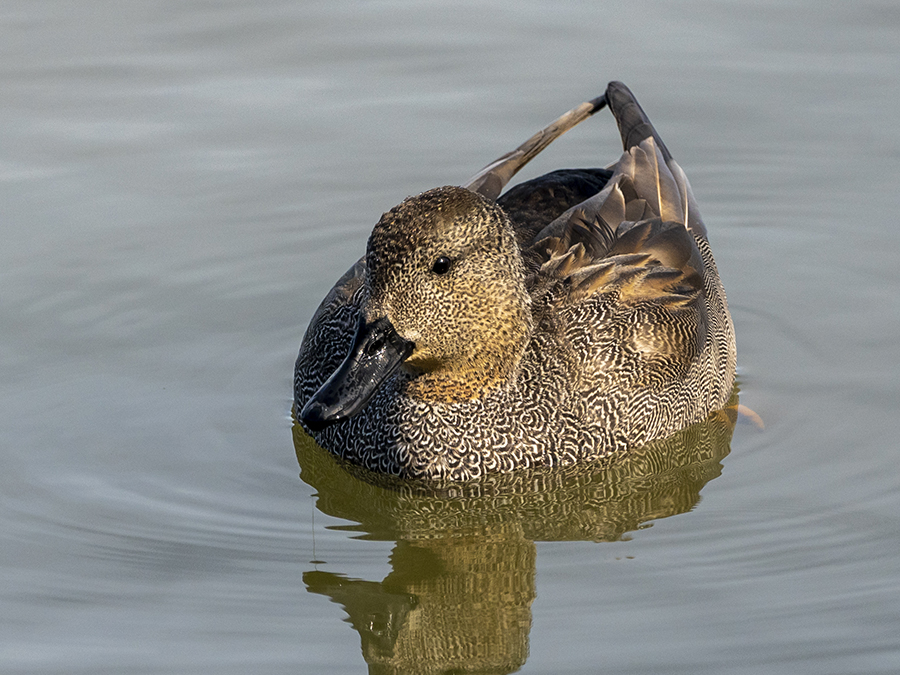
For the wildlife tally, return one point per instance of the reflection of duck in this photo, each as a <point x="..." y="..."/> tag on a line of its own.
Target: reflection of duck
<point x="577" y="315"/>
<point x="459" y="596"/>
<point x="451" y="605"/>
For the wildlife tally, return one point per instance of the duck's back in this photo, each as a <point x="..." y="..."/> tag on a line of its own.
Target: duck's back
<point x="534" y="204"/>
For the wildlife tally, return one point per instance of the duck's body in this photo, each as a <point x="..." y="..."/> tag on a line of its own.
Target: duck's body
<point x="563" y="322"/>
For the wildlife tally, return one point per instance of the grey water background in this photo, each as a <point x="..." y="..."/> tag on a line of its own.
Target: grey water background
<point x="181" y="183"/>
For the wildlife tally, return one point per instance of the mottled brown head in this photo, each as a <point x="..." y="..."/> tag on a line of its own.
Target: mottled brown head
<point x="444" y="268"/>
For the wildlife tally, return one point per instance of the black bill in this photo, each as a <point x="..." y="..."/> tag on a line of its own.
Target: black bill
<point x="377" y="352"/>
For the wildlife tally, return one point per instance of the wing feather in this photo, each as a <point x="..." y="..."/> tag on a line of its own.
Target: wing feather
<point x="636" y="236"/>
<point x="491" y="180"/>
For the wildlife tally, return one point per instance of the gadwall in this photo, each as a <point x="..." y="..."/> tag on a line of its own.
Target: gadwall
<point x="578" y="315"/>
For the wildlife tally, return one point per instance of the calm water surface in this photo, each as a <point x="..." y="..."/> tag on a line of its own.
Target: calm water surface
<point x="181" y="183"/>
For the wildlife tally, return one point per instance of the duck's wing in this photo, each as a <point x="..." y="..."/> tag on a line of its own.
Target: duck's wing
<point x="637" y="235"/>
<point x="491" y="180"/>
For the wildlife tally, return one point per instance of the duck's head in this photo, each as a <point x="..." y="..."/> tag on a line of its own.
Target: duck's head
<point x="445" y="300"/>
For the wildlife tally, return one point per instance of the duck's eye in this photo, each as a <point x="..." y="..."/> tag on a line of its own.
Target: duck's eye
<point x="441" y="265"/>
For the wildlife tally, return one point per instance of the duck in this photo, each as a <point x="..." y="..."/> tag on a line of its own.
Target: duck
<point x="572" y="318"/>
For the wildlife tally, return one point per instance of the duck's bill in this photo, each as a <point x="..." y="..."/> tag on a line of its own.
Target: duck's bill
<point x="375" y="355"/>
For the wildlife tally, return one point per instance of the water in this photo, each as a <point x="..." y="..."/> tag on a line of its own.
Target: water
<point x="180" y="184"/>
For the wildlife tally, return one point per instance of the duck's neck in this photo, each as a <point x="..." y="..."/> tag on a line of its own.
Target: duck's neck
<point x="493" y="362"/>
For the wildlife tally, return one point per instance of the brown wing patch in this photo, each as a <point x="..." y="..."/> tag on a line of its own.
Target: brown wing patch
<point x="562" y="261"/>
<point x="650" y="261"/>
